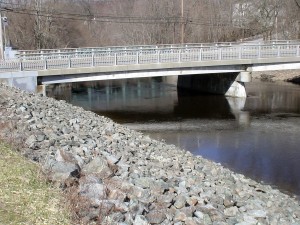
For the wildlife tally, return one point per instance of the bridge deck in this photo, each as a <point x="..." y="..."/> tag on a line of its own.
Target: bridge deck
<point x="164" y="57"/>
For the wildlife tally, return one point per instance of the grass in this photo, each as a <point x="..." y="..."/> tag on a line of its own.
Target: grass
<point x="25" y="196"/>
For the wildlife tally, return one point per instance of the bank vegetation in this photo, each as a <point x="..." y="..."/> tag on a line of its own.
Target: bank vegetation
<point x="25" y="196"/>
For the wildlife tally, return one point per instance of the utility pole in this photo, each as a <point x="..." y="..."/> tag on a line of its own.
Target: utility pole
<point x="1" y="35"/>
<point x="276" y="21"/>
<point x="38" y="34"/>
<point x="182" y="23"/>
<point x="276" y="27"/>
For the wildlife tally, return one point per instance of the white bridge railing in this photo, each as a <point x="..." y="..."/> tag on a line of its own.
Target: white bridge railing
<point x="95" y="57"/>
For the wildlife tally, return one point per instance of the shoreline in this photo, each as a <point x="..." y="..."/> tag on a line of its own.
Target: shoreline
<point x="121" y="176"/>
<point x="291" y="76"/>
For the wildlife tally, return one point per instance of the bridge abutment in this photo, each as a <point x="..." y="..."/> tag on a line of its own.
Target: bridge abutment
<point x="228" y="84"/>
<point x="25" y="80"/>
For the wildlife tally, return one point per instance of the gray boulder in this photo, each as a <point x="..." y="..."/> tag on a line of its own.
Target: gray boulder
<point x="98" y="166"/>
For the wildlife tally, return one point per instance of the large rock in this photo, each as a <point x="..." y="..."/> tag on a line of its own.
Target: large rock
<point x="143" y="182"/>
<point x="135" y="207"/>
<point x="257" y="213"/>
<point x="30" y="141"/>
<point x="180" y="216"/>
<point x="60" y="171"/>
<point x="180" y="202"/>
<point x="94" y="191"/>
<point x="98" y="166"/>
<point x="140" y="220"/>
<point x="232" y="211"/>
<point x="156" y="216"/>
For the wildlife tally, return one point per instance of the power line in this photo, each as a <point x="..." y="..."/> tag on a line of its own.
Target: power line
<point x="110" y="18"/>
<point x="102" y="19"/>
<point x="130" y="20"/>
<point x="84" y="15"/>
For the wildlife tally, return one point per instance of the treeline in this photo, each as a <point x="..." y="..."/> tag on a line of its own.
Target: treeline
<point x="39" y="24"/>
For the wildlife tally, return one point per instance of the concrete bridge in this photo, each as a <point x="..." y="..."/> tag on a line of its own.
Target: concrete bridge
<point x="219" y="68"/>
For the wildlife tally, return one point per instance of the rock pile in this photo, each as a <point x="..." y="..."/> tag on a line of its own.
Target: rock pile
<point x="278" y="75"/>
<point x="120" y="176"/>
<point x="295" y="80"/>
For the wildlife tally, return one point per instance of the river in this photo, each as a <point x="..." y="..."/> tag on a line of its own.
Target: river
<point x="258" y="136"/>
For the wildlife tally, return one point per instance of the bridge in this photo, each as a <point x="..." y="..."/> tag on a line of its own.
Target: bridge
<point x="219" y="68"/>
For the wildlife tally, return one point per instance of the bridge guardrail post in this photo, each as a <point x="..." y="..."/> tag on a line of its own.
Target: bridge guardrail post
<point x="45" y="64"/>
<point x="158" y="56"/>
<point x="115" y="59"/>
<point x="220" y="54"/>
<point x="298" y="50"/>
<point x="21" y="65"/>
<point x="259" y="51"/>
<point x="278" y="51"/>
<point x="69" y="58"/>
<point x="137" y="57"/>
<point x="93" y="59"/>
<point x="179" y="58"/>
<point x="201" y="54"/>
<point x="240" y="52"/>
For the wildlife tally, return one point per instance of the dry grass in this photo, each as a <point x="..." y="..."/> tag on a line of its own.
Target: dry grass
<point x="25" y="196"/>
<point x="81" y="207"/>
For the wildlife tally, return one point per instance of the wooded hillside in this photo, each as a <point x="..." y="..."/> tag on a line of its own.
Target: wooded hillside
<point x="42" y="24"/>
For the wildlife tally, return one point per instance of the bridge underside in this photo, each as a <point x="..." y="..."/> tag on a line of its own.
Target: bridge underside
<point x="230" y="84"/>
<point x="132" y="73"/>
<point x="225" y="80"/>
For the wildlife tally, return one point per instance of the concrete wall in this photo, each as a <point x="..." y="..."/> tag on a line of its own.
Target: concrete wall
<point x="25" y="80"/>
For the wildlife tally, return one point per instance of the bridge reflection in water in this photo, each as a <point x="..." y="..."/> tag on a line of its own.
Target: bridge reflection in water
<point x="257" y="136"/>
<point x="149" y="99"/>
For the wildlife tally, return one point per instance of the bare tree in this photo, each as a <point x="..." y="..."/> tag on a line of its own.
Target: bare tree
<point x="268" y="11"/>
<point x="69" y="23"/>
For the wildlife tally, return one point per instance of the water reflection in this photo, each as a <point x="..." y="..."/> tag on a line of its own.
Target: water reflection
<point x="237" y="106"/>
<point x="266" y="98"/>
<point x="147" y="100"/>
<point x="257" y="136"/>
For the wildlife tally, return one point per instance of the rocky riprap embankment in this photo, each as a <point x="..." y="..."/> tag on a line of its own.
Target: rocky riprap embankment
<point x="120" y="176"/>
<point x="292" y="76"/>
